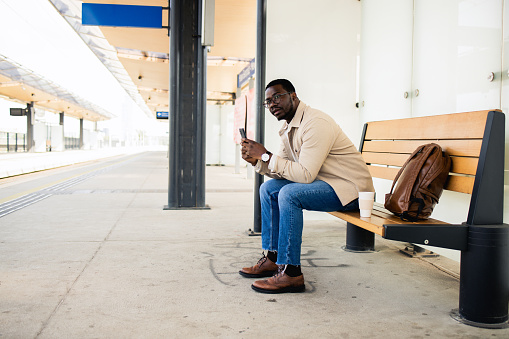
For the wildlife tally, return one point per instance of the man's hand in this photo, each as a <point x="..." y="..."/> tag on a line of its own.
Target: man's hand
<point x="252" y="151"/>
<point x="247" y="158"/>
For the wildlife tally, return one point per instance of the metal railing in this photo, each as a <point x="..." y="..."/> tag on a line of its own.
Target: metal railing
<point x="72" y="142"/>
<point x="12" y="142"/>
<point x="17" y="142"/>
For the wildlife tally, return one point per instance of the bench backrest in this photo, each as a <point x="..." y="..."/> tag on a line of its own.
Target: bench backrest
<point x="474" y="140"/>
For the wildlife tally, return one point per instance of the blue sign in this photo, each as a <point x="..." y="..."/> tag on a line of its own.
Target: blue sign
<point x="162" y="115"/>
<point x="246" y="73"/>
<point x="122" y="15"/>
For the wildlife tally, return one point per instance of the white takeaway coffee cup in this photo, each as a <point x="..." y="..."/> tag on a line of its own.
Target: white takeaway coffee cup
<point x="366" y="200"/>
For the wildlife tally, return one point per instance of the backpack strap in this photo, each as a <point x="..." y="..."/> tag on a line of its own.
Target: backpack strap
<point x="406" y="217"/>
<point x="419" y="150"/>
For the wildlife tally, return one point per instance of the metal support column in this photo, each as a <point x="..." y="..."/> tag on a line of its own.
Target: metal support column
<point x="359" y="239"/>
<point x="81" y="134"/>
<point x="484" y="279"/>
<point x="261" y="34"/>
<point x="186" y="187"/>
<point x="62" y="133"/>
<point x="30" y="127"/>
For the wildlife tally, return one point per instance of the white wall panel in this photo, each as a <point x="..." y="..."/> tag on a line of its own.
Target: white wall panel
<point x="457" y="44"/>
<point x="386" y="60"/>
<point x="57" y="138"/>
<point x="315" y="45"/>
<point x="227" y="144"/>
<point x="40" y="134"/>
<point x="220" y="148"/>
<point x="213" y="133"/>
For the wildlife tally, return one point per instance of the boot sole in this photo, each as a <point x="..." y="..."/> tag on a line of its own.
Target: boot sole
<point x="260" y="275"/>
<point x="289" y="289"/>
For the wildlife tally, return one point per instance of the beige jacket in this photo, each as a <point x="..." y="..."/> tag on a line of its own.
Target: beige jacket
<point x="323" y="152"/>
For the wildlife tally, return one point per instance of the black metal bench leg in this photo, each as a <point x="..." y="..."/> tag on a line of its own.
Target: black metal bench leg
<point x="359" y="239"/>
<point x="484" y="280"/>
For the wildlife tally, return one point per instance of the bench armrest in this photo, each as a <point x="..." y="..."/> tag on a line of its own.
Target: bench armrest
<point x="445" y="236"/>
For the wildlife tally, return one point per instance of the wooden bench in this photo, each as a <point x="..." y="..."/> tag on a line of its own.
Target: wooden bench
<point x="476" y="143"/>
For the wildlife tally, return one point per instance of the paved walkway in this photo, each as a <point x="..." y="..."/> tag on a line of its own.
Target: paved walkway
<point x="16" y="163"/>
<point x="100" y="258"/>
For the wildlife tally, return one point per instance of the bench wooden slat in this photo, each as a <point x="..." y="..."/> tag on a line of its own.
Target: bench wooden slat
<point x="388" y="173"/>
<point x="390" y="159"/>
<point x="379" y="218"/>
<point x="354" y="218"/>
<point x="461" y="165"/>
<point x="466" y="126"/>
<point x="462" y="148"/>
<point x="460" y="184"/>
<point x="456" y="183"/>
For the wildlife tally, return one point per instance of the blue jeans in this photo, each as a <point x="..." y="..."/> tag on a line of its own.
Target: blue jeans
<point x="282" y="202"/>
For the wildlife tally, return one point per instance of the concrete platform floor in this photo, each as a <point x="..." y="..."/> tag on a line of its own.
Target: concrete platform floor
<point x="101" y="259"/>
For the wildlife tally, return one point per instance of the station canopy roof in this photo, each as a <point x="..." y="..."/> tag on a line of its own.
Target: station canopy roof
<point x="21" y="84"/>
<point x="139" y="57"/>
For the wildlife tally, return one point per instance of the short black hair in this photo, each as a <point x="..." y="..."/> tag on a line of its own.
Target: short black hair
<point x="287" y="85"/>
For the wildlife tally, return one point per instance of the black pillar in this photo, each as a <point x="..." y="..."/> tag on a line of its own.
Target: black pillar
<point x="186" y="186"/>
<point x="261" y="34"/>
<point x="81" y="134"/>
<point x="359" y="239"/>
<point x="30" y="127"/>
<point x="484" y="280"/>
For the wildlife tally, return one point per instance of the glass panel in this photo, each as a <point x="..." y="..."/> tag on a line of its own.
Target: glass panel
<point x="386" y="59"/>
<point x="456" y="48"/>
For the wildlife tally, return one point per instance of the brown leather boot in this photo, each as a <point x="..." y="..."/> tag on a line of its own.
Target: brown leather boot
<point x="280" y="283"/>
<point x="264" y="268"/>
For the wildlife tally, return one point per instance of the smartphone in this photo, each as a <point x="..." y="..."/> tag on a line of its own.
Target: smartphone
<point x="242" y="133"/>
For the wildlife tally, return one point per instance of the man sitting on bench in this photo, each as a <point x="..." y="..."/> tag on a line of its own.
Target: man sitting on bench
<point x="317" y="168"/>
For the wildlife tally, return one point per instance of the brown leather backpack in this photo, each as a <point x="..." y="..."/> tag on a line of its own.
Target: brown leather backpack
<point x="419" y="183"/>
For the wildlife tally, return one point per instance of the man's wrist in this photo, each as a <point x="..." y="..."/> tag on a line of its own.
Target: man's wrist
<point x="266" y="156"/>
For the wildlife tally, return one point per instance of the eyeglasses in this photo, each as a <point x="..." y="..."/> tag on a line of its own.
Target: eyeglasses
<point x="275" y="99"/>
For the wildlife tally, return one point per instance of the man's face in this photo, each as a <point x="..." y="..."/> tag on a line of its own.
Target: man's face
<point x="283" y="109"/>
